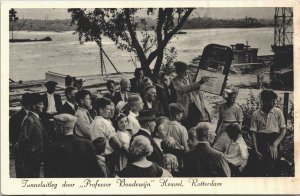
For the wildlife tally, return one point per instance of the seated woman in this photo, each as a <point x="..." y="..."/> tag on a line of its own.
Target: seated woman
<point x="140" y="167"/>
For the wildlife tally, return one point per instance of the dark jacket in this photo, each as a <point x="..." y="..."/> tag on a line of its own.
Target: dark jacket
<point x="15" y="122"/>
<point x="166" y="95"/>
<point x="57" y="99"/>
<point x="157" y="107"/>
<point x="67" y="109"/>
<point x="136" y="85"/>
<point x="71" y="157"/>
<point x="30" y="147"/>
<point x="205" y="161"/>
<point x="157" y="155"/>
<point x="114" y="98"/>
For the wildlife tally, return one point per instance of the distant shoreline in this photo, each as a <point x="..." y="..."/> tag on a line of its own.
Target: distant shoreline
<point x="194" y="23"/>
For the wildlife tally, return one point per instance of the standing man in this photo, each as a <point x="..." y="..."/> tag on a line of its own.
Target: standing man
<point x="69" y="106"/>
<point x="268" y="128"/>
<point x="102" y="127"/>
<point x="123" y="94"/>
<point x="136" y="104"/>
<point x="166" y="93"/>
<point x="84" y="119"/>
<point x="147" y="122"/>
<point x="32" y="141"/>
<point x="52" y="102"/>
<point x="203" y="160"/>
<point x="16" y="120"/>
<point x="52" y="105"/>
<point x="137" y="81"/>
<point x="189" y="95"/>
<point x="150" y="101"/>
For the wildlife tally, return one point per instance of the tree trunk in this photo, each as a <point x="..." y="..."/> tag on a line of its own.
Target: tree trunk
<point x="157" y="66"/>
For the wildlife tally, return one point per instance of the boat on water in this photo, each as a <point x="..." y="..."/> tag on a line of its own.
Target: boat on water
<point x="31" y="40"/>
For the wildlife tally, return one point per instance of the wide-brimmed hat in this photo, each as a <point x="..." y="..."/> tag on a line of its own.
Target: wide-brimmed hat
<point x="35" y="98"/>
<point x="146" y="115"/>
<point x="66" y="120"/>
<point x="50" y="84"/>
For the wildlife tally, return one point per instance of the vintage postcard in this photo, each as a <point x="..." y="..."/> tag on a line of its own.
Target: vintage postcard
<point x="149" y="97"/>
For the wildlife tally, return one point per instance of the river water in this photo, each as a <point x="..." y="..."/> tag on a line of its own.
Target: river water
<point x="30" y="61"/>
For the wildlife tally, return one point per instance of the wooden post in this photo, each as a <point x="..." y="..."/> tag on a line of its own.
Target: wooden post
<point x="286" y="106"/>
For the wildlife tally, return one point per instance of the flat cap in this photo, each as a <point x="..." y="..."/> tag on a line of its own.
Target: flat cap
<point x="66" y="120"/>
<point x="50" y="84"/>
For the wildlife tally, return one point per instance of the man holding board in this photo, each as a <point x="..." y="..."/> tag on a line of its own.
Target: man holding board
<point x="189" y="95"/>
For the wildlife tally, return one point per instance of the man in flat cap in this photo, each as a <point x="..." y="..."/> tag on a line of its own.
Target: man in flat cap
<point x="189" y="95"/>
<point x="31" y="142"/>
<point x="268" y="129"/>
<point x="70" y="156"/>
<point x="52" y="105"/>
<point x="203" y="160"/>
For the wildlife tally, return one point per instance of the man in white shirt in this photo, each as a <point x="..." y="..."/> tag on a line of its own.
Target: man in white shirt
<point x="136" y="104"/>
<point x="84" y="119"/>
<point x="52" y="102"/>
<point x="101" y="127"/>
<point x="69" y="106"/>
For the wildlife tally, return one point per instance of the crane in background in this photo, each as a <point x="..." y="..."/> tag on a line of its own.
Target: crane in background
<point x="281" y="71"/>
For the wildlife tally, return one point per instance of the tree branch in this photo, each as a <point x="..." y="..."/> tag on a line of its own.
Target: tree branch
<point x="134" y="40"/>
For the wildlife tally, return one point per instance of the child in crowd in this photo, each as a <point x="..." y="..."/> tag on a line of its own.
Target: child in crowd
<point x="174" y="129"/>
<point x="237" y="151"/>
<point x="99" y="144"/>
<point x="123" y="135"/>
<point x="159" y="131"/>
<point x="170" y="161"/>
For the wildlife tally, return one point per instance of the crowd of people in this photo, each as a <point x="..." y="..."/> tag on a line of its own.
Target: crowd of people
<point x="145" y="129"/>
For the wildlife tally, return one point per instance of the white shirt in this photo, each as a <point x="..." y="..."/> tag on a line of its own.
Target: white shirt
<point x="133" y="123"/>
<point x="237" y="152"/>
<point x="149" y="104"/>
<point x="124" y="138"/>
<point x="101" y="127"/>
<point x="51" y="104"/>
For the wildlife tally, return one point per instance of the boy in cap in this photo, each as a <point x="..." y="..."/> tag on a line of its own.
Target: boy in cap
<point x="268" y="128"/>
<point x="31" y="142"/>
<point x="189" y="96"/>
<point x="70" y="156"/>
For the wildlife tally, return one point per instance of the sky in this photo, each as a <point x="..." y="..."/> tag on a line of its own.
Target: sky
<point x="219" y="13"/>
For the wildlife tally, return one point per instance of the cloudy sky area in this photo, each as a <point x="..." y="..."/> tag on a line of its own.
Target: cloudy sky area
<point x="219" y="13"/>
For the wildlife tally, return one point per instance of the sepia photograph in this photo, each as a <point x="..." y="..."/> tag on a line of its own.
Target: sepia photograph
<point x="147" y="96"/>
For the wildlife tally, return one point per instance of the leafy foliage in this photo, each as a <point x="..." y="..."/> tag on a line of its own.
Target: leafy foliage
<point x="122" y="25"/>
